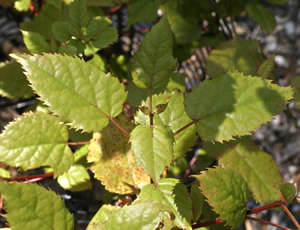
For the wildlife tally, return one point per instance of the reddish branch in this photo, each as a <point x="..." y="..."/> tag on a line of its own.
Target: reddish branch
<point x="78" y="143"/>
<point x="267" y="222"/>
<point x="30" y="178"/>
<point x="185" y="127"/>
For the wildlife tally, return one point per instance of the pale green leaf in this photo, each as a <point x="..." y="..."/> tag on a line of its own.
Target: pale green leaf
<point x="22" y="5"/>
<point x="13" y="83"/>
<point x="30" y="206"/>
<point x="234" y="105"/>
<point x="197" y="202"/>
<point x="153" y="63"/>
<point x="241" y="55"/>
<point x="263" y="16"/>
<point x="101" y="216"/>
<point x="295" y="82"/>
<point x="4" y="173"/>
<point x="78" y="14"/>
<point x="176" y="82"/>
<point x="152" y="148"/>
<point x="34" y="140"/>
<point x="288" y="191"/>
<point x="62" y="31"/>
<point x="143" y="215"/>
<point x="113" y="161"/>
<point x="77" y="91"/>
<point x="99" y="62"/>
<point x="35" y="42"/>
<point x="75" y="179"/>
<point x="101" y="32"/>
<point x="174" y="195"/>
<point x="142" y="11"/>
<point x="42" y="23"/>
<point x="257" y="168"/>
<point x="266" y="69"/>
<point x="227" y="192"/>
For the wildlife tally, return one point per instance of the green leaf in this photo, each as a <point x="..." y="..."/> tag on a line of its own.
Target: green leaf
<point x="42" y="23"/>
<point x="35" y="42"/>
<point x="30" y="206"/>
<point x="13" y="83"/>
<point x="229" y="198"/>
<point x="78" y="14"/>
<point x="68" y="50"/>
<point x="152" y="148"/>
<point x="288" y="191"/>
<point x="175" y="196"/>
<point x="175" y="117"/>
<point x="197" y="202"/>
<point x="4" y="173"/>
<point x="142" y="11"/>
<point x="113" y="161"/>
<point x="75" y="179"/>
<point x="101" y="216"/>
<point x="77" y="91"/>
<point x="99" y="62"/>
<point x="263" y="16"/>
<point x="266" y="69"/>
<point x="153" y="63"/>
<point x="34" y="140"/>
<point x="22" y="5"/>
<point x="177" y="81"/>
<point x="295" y="82"/>
<point x="146" y="216"/>
<point x="257" y="168"/>
<point x="234" y="105"/>
<point x="62" y="31"/>
<point x="241" y="55"/>
<point x="101" y="32"/>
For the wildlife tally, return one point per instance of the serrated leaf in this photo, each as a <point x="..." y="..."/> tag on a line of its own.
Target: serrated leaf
<point x="35" y="42"/>
<point x="42" y="23"/>
<point x="146" y="216"/>
<point x="113" y="161"/>
<point x="263" y="16"/>
<point x="238" y="54"/>
<point x="34" y="140"/>
<point x="266" y="68"/>
<point x="153" y="63"/>
<point x="22" y="5"/>
<point x="234" y="105"/>
<point x="13" y="83"/>
<point x="30" y="206"/>
<point x="227" y="192"/>
<point x="288" y="191"/>
<point x="62" y="31"/>
<point x="174" y="195"/>
<point x="257" y="168"/>
<point x="77" y="91"/>
<point x="142" y="11"/>
<point x="197" y="202"/>
<point x="152" y="148"/>
<point x="75" y="179"/>
<point x="78" y="14"/>
<point x="295" y="82"/>
<point x="101" y="32"/>
<point x="101" y="216"/>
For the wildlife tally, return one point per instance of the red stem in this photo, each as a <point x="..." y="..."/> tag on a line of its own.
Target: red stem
<point x="24" y="178"/>
<point x="118" y="126"/>
<point x="78" y="143"/>
<point x="267" y="206"/>
<point x="134" y="31"/>
<point x="266" y="222"/>
<point x="189" y="169"/>
<point x="186" y="126"/>
<point x="204" y="224"/>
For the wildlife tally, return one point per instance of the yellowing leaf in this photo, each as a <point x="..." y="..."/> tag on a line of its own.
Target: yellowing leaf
<point x="75" y="90"/>
<point x="113" y="161"/>
<point x="34" y="140"/>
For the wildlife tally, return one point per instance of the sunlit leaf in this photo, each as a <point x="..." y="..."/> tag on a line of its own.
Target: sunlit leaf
<point x="35" y="42"/>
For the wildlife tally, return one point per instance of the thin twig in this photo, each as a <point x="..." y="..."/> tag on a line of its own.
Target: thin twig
<point x="150" y="107"/>
<point x="267" y="206"/>
<point x="291" y="216"/>
<point x="186" y="126"/>
<point x="208" y="223"/>
<point x="25" y="178"/>
<point x="266" y="222"/>
<point x="78" y="143"/>
<point x="118" y="126"/>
